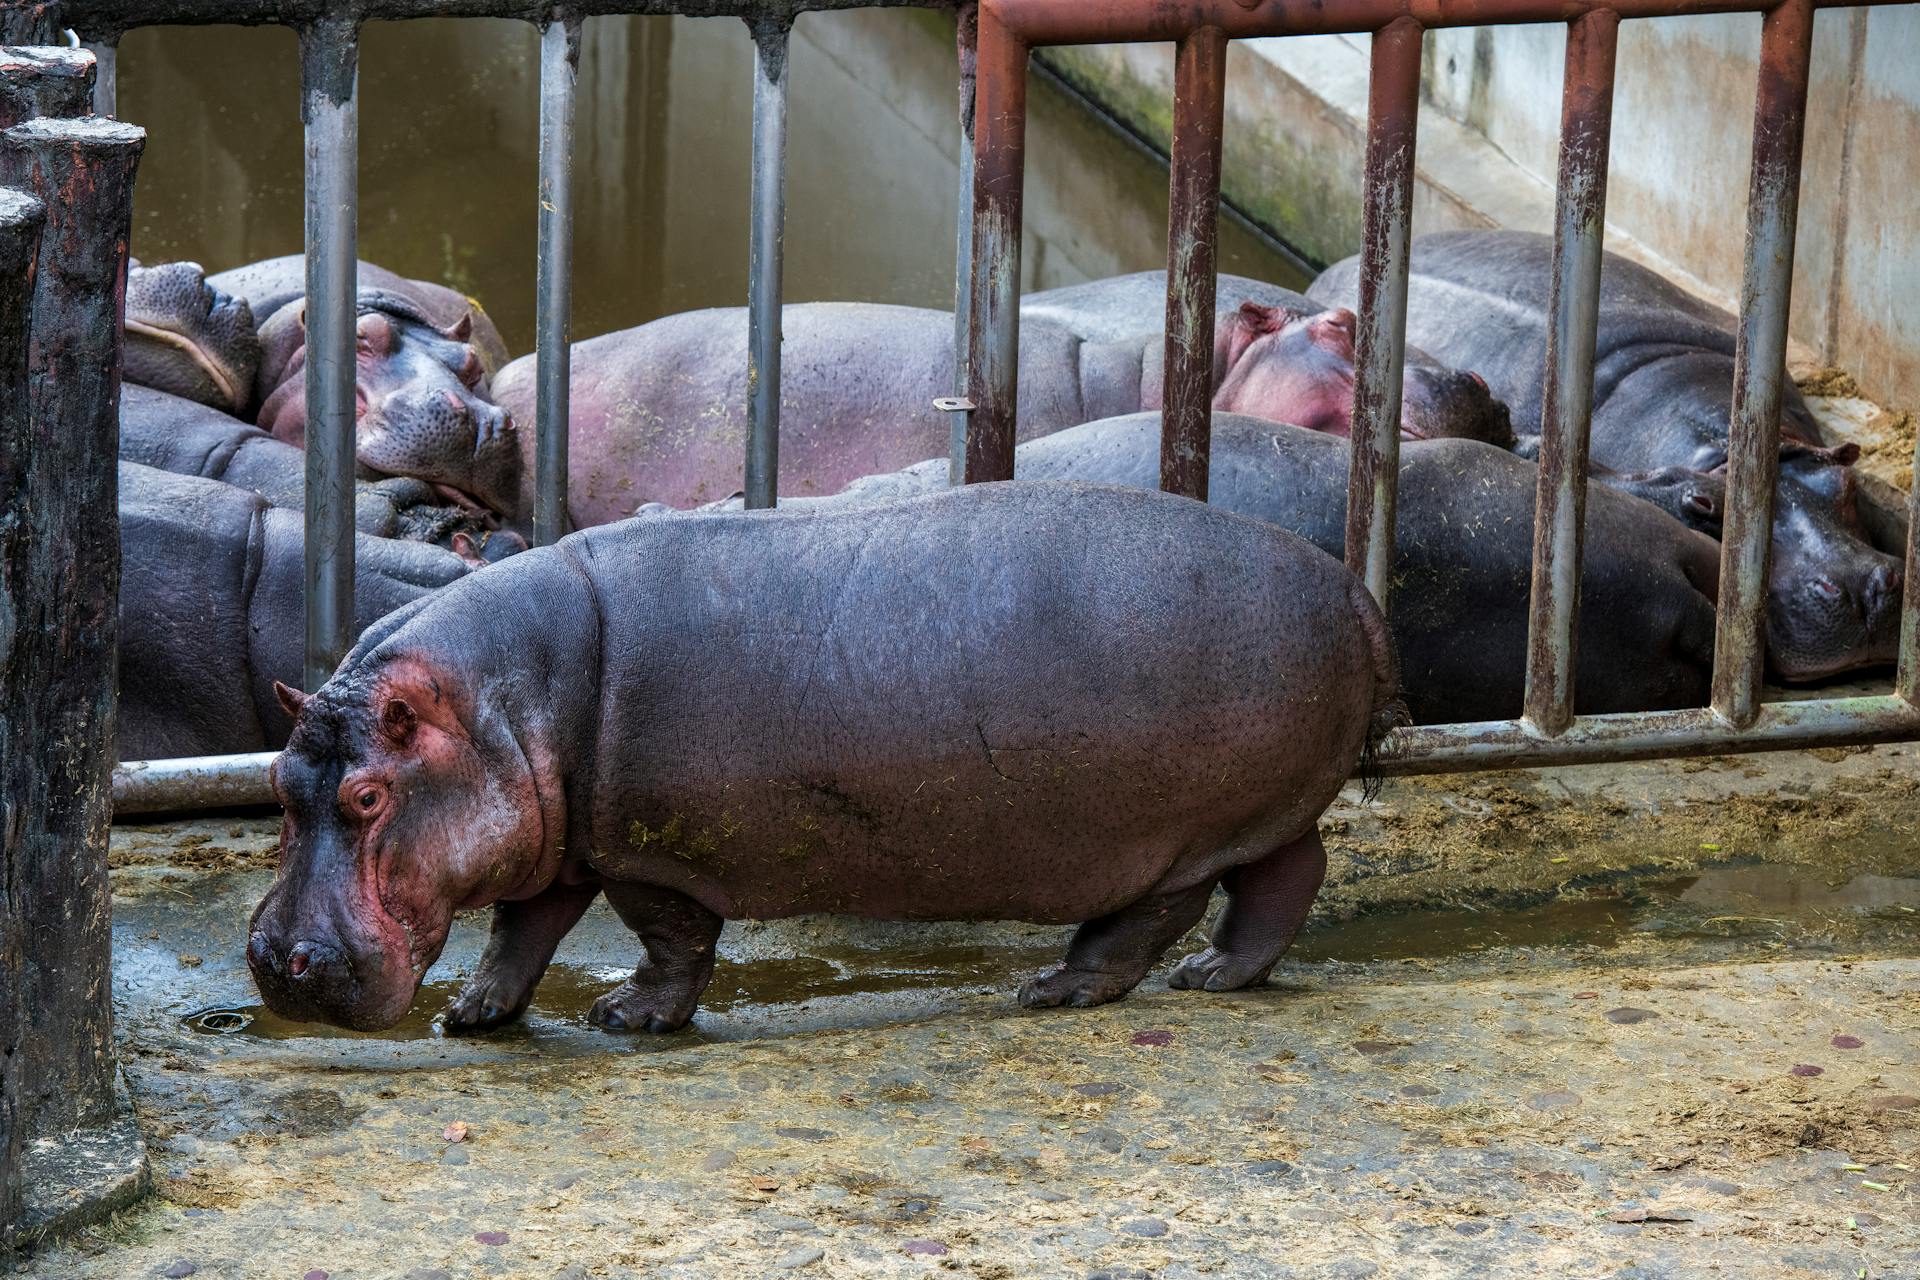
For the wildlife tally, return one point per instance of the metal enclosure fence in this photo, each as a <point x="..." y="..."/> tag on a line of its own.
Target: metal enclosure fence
<point x="1548" y="731"/>
<point x="987" y="317"/>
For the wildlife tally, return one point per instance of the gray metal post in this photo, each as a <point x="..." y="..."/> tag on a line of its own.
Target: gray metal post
<point x="106" y="87"/>
<point x="559" y="76"/>
<point x="764" y="266"/>
<point x="966" y="41"/>
<point x="329" y="109"/>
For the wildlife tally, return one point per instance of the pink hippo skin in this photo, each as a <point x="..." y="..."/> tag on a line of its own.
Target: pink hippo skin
<point x="1048" y="702"/>
<point x="659" y="412"/>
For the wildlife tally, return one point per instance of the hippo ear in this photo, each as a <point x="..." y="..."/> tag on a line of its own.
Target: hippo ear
<point x="461" y="329"/>
<point x="291" y="699"/>
<point x="468" y="549"/>
<point x="397" y="721"/>
<point x="1844" y="455"/>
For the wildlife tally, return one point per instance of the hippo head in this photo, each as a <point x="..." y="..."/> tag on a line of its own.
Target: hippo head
<point x="1290" y="365"/>
<point x="185" y="337"/>
<point x="1834" y="601"/>
<point x="421" y="401"/>
<point x="408" y="798"/>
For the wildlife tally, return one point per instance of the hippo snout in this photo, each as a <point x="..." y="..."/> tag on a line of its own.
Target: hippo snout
<point x="1881" y="598"/>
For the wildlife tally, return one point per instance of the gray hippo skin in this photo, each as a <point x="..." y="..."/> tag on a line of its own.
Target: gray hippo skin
<point x="659" y="412"/>
<point x="211" y="611"/>
<point x="1436" y="402"/>
<point x="1663" y="390"/>
<point x="187" y="438"/>
<point x="1462" y="570"/>
<point x="1044" y="702"/>
<point x="186" y="337"/>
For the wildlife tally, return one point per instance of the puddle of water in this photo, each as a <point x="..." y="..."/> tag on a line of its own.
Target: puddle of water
<point x="449" y="148"/>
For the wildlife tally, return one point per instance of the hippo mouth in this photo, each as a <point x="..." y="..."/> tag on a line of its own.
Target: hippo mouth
<point x="216" y="373"/>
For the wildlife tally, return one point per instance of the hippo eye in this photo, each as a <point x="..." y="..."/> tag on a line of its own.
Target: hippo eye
<point x="367" y="799"/>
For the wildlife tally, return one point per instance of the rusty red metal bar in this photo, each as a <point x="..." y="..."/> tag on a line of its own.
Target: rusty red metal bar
<point x="1586" y="126"/>
<point x="1753" y="446"/>
<point x="1193" y="242"/>
<point x="999" y="175"/>
<point x="1380" y="345"/>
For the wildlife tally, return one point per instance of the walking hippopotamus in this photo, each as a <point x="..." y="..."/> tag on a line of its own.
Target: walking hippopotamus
<point x="1462" y="570"/>
<point x="1311" y="364"/>
<point x="994" y="702"/>
<point x="211" y="609"/>
<point x="424" y="358"/>
<point x="1663" y="391"/>
<point x="659" y="412"/>
<point x="186" y="337"/>
<point x="188" y="438"/>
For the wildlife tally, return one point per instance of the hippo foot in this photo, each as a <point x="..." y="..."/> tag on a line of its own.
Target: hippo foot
<point x="1080" y="988"/>
<point x="483" y="1005"/>
<point x="644" y="1002"/>
<point x="1216" y="970"/>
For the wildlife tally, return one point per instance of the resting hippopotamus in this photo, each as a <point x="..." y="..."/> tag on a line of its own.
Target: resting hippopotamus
<point x="1462" y="570"/>
<point x="211" y="609"/>
<point x="425" y="353"/>
<point x="659" y="412"/>
<point x="994" y="702"/>
<point x="1663" y="392"/>
<point x="186" y="337"/>
<point x="188" y="438"/>
<point x="1315" y="377"/>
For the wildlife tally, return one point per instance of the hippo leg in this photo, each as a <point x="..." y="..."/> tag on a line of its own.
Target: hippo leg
<point x="519" y="949"/>
<point x="678" y="934"/>
<point x="1267" y="902"/>
<point x="1110" y="955"/>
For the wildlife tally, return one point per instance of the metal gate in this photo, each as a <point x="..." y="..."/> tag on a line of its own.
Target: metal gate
<point x="987" y="314"/>
<point x="1548" y="732"/>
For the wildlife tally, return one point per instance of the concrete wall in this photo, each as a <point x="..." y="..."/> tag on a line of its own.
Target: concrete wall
<point x="1677" y="197"/>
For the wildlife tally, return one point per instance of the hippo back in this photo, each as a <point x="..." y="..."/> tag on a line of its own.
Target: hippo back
<point x="178" y="435"/>
<point x="1120" y="307"/>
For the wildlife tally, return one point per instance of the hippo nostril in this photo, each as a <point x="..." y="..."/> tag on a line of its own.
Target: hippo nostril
<point x="297" y="962"/>
<point x="1478" y="381"/>
<point x="308" y="957"/>
<point x="259" y="951"/>
<point x="1824" y="587"/>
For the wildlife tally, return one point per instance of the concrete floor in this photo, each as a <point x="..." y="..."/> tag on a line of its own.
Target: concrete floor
<point x="1630" y="1021"/>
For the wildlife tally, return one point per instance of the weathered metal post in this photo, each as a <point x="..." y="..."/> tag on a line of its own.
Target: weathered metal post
<point x="1560" y="507"/>
<point x="966" y="44"/>
<point x="106" y="84"/>
<point x="1193" y="244"/>
<point x="59" y="587"/>
<point x="559" y="76"/>
<point x="329" y="108"/>
<point x="1760" y="357"/>
<point x="1380" y="346"/>
<point x="765" y="258"/>
<point x="993" y="319"/>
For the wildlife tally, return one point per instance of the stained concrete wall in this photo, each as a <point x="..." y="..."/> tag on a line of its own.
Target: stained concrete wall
<point x="1683" y="125"/>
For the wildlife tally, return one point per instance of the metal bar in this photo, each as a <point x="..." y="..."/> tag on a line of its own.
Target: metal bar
<point x="1033" y="22"/>
<point x="1373" y="477"/>
<point x="1753" y="446"/>
<point x="106" y="85"/>
<point x="1649" y="735"/>
<point x="553" y="323"/>
<point x="1586" y="122"/>
<point x="993" y="321"/>
<point x="1193" y="243"/>
<point x="193" y="782"/>
<point x="764" y="261"/>
<point x="966" y="42"/>
<point x="329" y="108"/>
<point x="1906" y="681"/>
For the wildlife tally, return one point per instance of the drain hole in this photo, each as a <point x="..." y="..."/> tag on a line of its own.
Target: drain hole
<point x="219" y="1021"/>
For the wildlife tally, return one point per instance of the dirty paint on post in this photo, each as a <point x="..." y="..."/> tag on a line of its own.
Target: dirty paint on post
<point x="1380" y="346"/>
<point x="329" y="108"/>
<point x="1193" y="241"/>
<point x="766" y="260"/>
<point x="966" y="39"/>
<point x="62" y="568"/>
<point x="1753" y="446"/>
<point x="553" y="303"/>
<point x="1586" y="123"/>
<point x="999" y="175"/>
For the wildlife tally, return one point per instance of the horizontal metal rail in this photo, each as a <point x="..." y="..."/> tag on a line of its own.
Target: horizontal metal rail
<point x="1549" y="732"/>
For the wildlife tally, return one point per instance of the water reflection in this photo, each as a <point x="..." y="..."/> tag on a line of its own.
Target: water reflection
<point x="449" y="146"/>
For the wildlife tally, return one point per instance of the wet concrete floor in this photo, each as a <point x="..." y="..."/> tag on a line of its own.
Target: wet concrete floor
<point x="1639" y="1021"/>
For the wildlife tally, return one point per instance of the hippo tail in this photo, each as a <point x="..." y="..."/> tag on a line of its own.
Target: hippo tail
<point x="1387" y="710"/>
